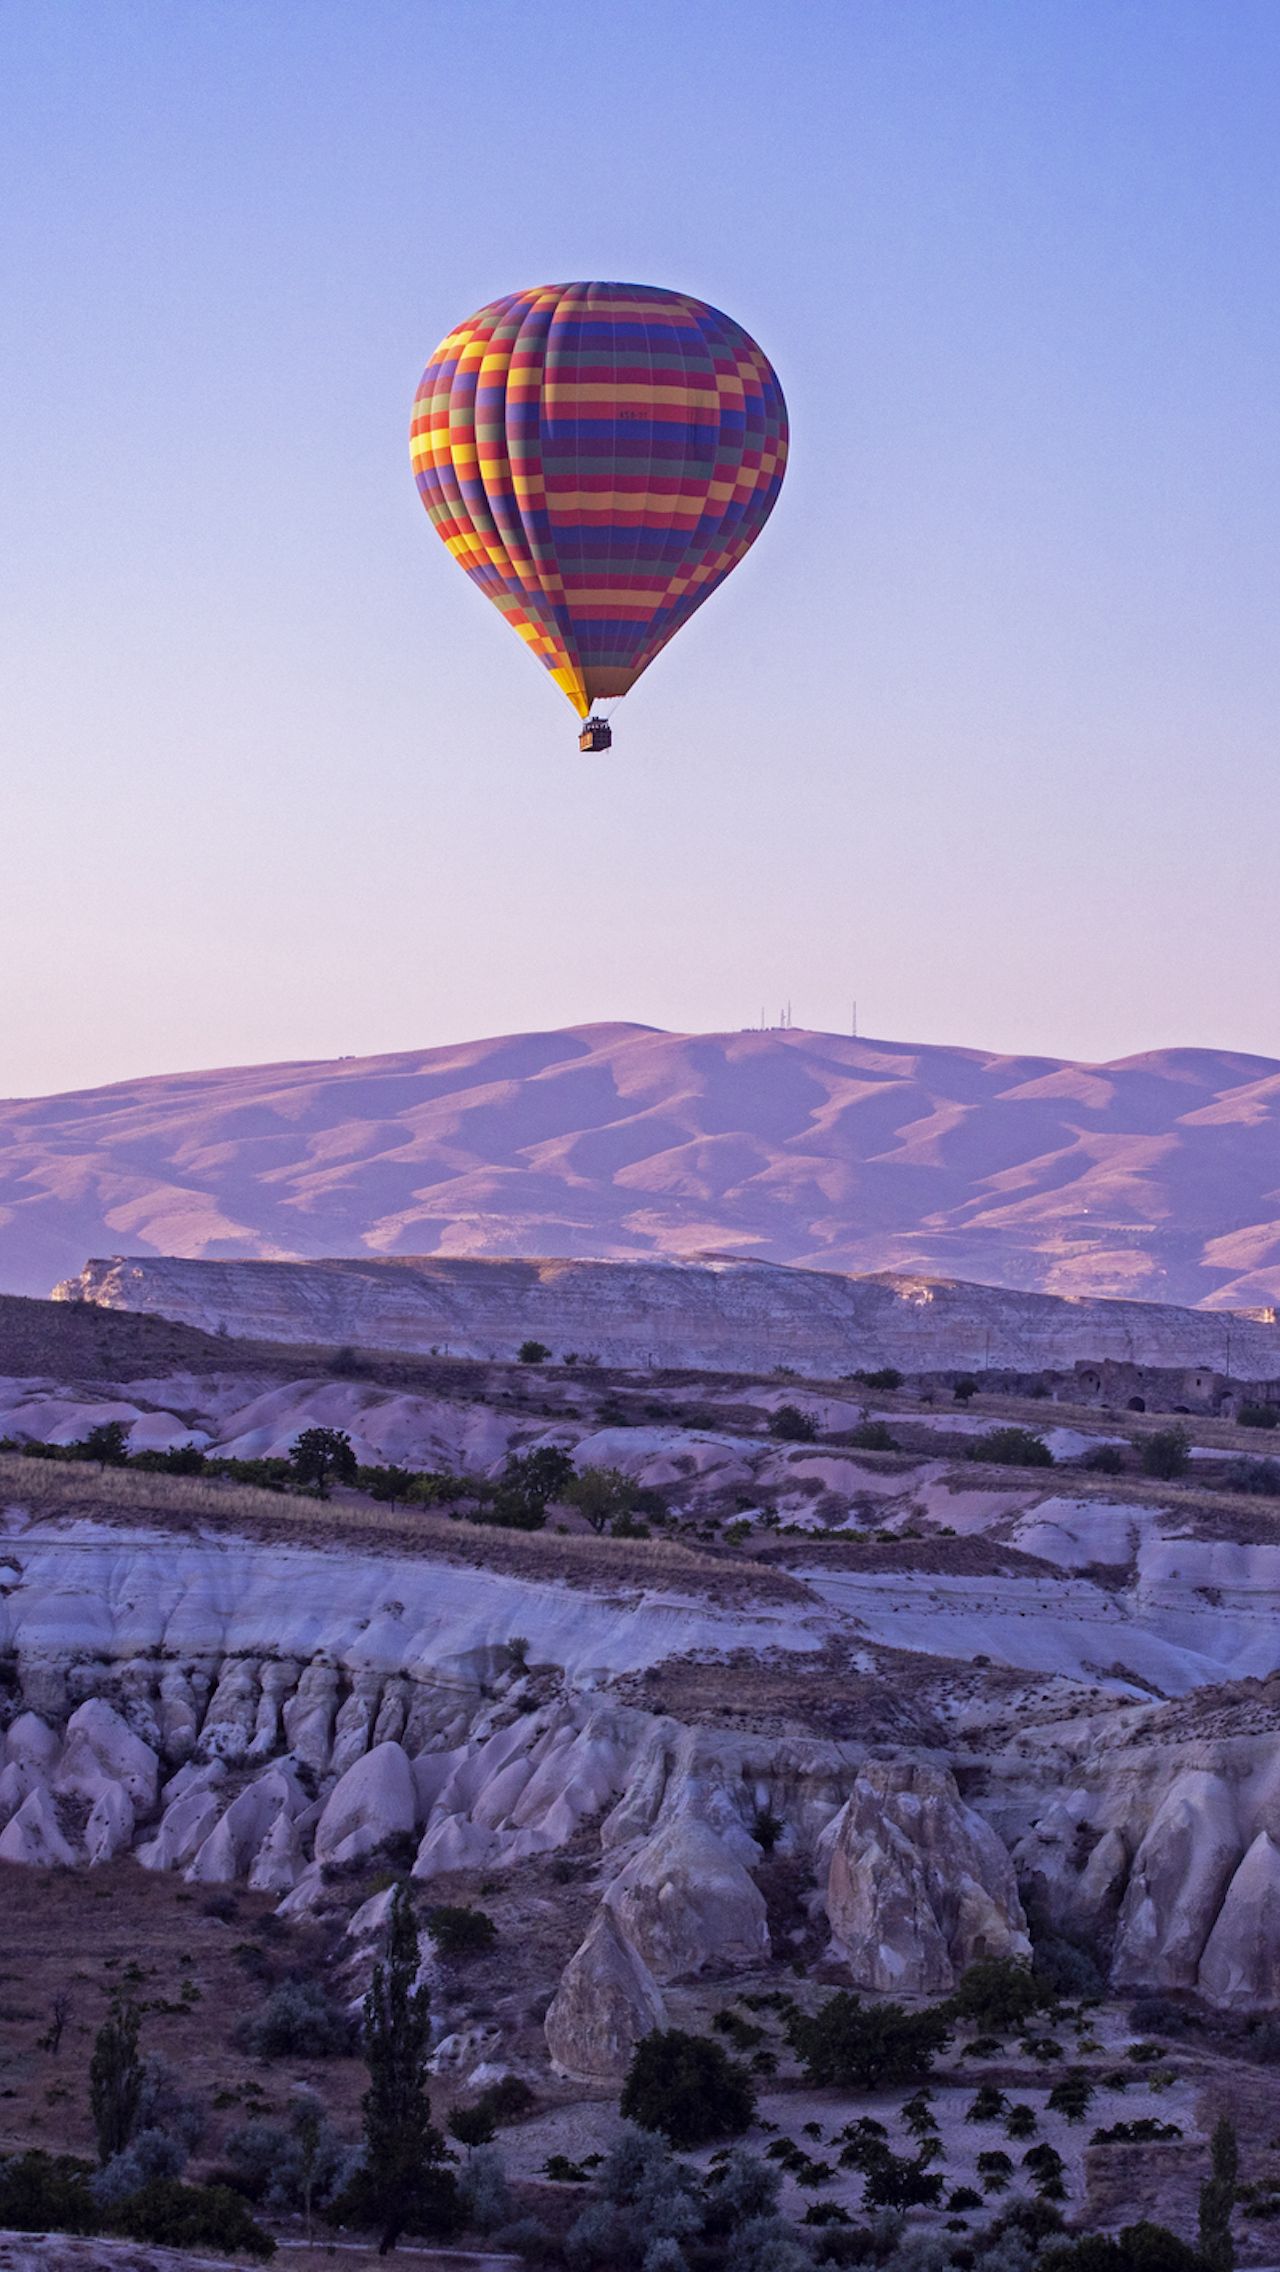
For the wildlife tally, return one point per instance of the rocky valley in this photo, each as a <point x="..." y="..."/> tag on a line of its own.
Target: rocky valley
<point x="796" y="1685"/>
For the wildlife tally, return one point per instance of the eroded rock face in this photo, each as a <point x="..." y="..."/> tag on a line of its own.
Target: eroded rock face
<point x="686" y="1903"/>
<point x="607" y="2000"/>
<point x="918" y="1885"/>
<point x="1180" y="1875"/>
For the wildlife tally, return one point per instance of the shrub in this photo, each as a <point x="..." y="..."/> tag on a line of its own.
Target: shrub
<point x="1138" y="2248"/>
<point x="1071" y="2096"/>
<point x="387" y="1484"/>
<point x="151" y="2155"/>
<point x="460" y="1932"/>
<point x="527" y="1485"/>
<point x="964" y="1390"/>
<point x="299" y="2021"/>
<point x="744" y="2186"/>
<point x="483" y="2191"/>
<point x="963" y="2199"/>
<point x="996" y="1993"/>
<point x="1010" y="1447"/>
<point x="1259" y="1415"/>
<point x="108" y="1443"/>
<point x="600" y="1494"/>
<point x="532" y="1353"/>
<point x="987" y="2104"/>
<point x="887" y="1377"/>
<point x="322" y="1456"/>
<point x="42" y="2192"/>
<point x="901" y="2181"/>
<point x="849" y="2042"/>
<point x="792" y="1426"/>
<point x="171" y="2215"/>
<point x="1104" y="1459"/>
<point x="688" y="2088"/>
<point x="873" y="1436"/>
<point x="1020" y="2122"/>
<point x="1166" y="1455"/>
<point x="1261" y="1477"/>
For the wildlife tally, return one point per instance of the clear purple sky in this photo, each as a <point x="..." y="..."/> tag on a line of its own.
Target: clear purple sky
<point x="984" y="731"/>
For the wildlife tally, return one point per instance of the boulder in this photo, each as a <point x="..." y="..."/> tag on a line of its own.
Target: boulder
<point x="918" y="1885"/>
<point x="685" y="1901"/>
<point x="607" y="1999"/>
<point x="375" y="1800"/>
<point x="34" y="1835"/>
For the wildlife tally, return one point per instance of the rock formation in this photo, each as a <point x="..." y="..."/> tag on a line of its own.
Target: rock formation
<point x="733" y="1314"/>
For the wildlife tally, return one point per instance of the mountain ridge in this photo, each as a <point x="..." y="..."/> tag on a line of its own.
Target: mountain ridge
<point x="1155" y="1176"/>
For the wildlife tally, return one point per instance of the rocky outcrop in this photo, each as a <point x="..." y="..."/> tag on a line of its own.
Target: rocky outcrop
<point x="716" y="1310"/>
<point x="918" y="1886"/>
<point x="686" y="1903"/>
<point x="607" y="2000"/>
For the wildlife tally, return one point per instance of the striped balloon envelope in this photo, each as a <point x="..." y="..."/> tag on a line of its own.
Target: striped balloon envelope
<point x="598" y="457"/>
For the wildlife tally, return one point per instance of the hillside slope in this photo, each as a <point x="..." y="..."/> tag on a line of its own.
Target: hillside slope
<point x="1157" y="1176"/>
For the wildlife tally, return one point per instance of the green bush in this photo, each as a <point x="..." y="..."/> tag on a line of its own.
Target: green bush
<point x="873" y="1436"/>
<point x="108" y="1443"/>
<point x="792" y="1426"/>
<point x="1138" y="2248"/>
<point x="42" y="2192"/>
<point x="1259" y="1415"/>
<point x="170" y="2214"/>
<point x="1010" y="1447"/>
<point x="299" y="2021"/>
<point x="1104" y="1459"/>
<point x="686" y="2087"/>
<point x="887" y="1377"/>
<point x="864" y="2045"/>
<point x="1260" y="1477"/>
<point x="1165" y="1455"/>
<point x="532" y="1353"/>
<point x="460" y="1932"/>
<point x="996" y="1993"/>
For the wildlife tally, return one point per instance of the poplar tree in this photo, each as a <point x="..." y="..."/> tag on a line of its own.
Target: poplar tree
<point x="403" y="2183"/>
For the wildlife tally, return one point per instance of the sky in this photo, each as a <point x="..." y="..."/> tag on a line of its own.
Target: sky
<point x="982" y="734"/>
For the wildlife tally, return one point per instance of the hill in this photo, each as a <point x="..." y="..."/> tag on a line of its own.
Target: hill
<point x="1157" y="1176"/>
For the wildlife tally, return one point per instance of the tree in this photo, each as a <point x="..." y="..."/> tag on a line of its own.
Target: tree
<point x="532" y="1353"/>
<point x="528" y="1483"/>
<point x="849" y="2042"/>
<point x="600" y="1494"/>
<point x="965" y="1390"/>
<point x="59" y="2014"/>
<point x="792" y="1426"/>
<point x="1218" y="2199"/>
<point x="387" y="1483"/>
<point x="115" y="2080"/>
<point x="1011" y="1447"/>
<point x="687" y="2087"/>
<point x="402" y="2180"/>
<point x="108" y="1443"/>
<point x="321" y="1456"/>
<point x="901" y="2181"/>
<point x="997" y="1992"/>
<point x="1166" y="1454"/>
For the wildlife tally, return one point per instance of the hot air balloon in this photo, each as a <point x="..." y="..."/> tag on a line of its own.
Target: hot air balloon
<point x="598" y="457"/>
